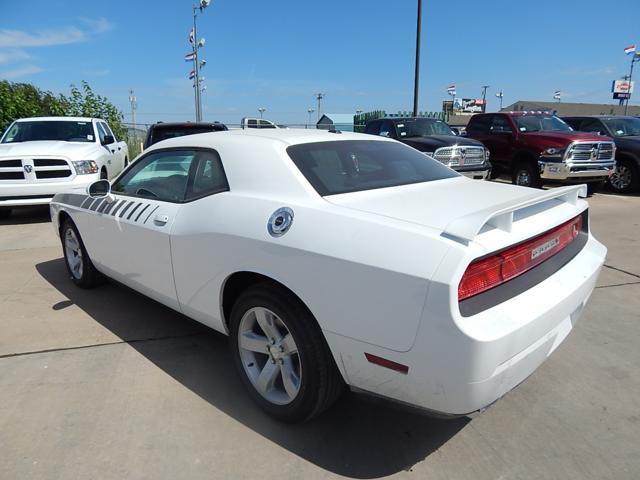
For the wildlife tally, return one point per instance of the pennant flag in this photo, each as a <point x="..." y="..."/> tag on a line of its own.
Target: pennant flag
<point x="191" y="36"/>
<point x="630" y="49"/>
<point x="451" y="89"/>
<point x="189" y="57"/>
<point x="192" y="75"/>
<point x="557" y="94"/>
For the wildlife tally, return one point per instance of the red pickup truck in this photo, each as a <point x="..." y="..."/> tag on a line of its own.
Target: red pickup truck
<point x="537" y="147"/>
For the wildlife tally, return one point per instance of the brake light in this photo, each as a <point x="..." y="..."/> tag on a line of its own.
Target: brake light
<point x="487" y="273"/>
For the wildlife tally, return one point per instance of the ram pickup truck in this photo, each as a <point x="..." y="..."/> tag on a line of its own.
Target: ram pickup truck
<point x="436" y="139"/>
<point x="538" y="147"/>
<point x="42" y="156"/>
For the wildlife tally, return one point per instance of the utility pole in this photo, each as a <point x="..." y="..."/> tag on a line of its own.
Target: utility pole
<point x="319" y="97"/>
<point x="500" y="94"/>
<point x="309" y="111"/>
<point x="134" y="105"/>
<point x="196" y="45"/>
<point x="484" y="98"/>
<point x="416" y="79"/>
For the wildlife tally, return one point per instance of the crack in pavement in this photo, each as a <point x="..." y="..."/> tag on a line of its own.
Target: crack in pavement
<point x="622" y="271"/>
<point x="619" y="285"/>
<point x="80" y="347"/>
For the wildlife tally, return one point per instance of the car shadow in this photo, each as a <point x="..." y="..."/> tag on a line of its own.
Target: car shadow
<point x="356" y="438"/>
<point x="24" y="215"/>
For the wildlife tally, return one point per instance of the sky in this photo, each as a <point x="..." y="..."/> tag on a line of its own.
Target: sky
<point x="277" y="54"/>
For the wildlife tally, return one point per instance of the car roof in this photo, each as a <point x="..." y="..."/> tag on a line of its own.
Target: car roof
<point x="61" y="118"/>
<point x="404" y="119"/>
<point x="597" y="116"/>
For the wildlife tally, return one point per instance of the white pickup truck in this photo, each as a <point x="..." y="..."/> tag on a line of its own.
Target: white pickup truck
<point x="42" y="156"/>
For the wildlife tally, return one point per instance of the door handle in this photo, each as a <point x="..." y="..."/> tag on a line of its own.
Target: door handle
<point x="161" y="220"/>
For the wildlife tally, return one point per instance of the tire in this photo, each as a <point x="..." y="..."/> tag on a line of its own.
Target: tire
<point x="5" y="213"/>
<point x="76" y="258"/>
<point x="297" y="352"/>
<point x="495" y="172"/>
<point x="526" y="174"/>
<point x="626" y="177"/>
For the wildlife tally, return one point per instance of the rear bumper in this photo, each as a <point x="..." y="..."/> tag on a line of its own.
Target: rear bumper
<point x="459" y="365"/>
<point x="16" y="195"/>
<point x="578" y="172"/>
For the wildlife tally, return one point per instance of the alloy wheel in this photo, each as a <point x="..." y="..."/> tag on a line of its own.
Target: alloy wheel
<point x="269" y="356"/>
<point x="621" y="178"/>
<point x="523" y="178"/>
<point x="73" y="253"/>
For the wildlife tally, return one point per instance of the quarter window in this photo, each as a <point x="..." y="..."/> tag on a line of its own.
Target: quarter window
<point x="500" y="124"/>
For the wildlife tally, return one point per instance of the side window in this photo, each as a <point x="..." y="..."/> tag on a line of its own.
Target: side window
<point x="592" y="125"/>
<point x="573" y="122"/>
<point x="265" y="124"/>
<point x="252" y="123"/>
<point x="387" y="129"/>
<point x="107" y="130"/>
<point x="161" y="176"/>
<point x="101" y="132"/>
<point x="208" y="176"/>
<point x="500" y="124"/>
<point x="373" y="128"/>
<point x="479" y="123"/>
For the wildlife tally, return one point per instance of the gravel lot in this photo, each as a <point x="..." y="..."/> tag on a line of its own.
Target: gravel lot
<point x="107" y="384"/>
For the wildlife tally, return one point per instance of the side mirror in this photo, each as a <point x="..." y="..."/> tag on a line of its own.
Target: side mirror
<point x="384" y="133"/>
<point x="108" y="140"/>
<point x="100" y="189"/>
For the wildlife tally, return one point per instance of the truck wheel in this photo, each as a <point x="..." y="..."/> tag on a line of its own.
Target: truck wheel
<point x="593" y="187"/>
<point x="281" y="354"/>
<point x="79" y="265"/>
<point x="103" y="174"/>
<point x="5" y="212"/>
<point x="626" y="178"/>
<point x="526" y="174"/>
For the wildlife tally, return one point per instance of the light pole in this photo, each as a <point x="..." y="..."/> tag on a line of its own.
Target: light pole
<point x="196" y="45"/>
<point x="500" y="94"/>
<point x="309" y="111"/>
<point x="484" y="98"/>
<point x="262" y="110"/>
<point x="134" y="105"/>
<point x="635" y="58"/>
<point x="417" y="70"/>
<point x="319" y="97"/>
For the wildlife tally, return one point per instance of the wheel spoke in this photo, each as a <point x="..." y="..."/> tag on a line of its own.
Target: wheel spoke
<point x="265" y="320"/>
<point x="253" y="342"/>
<point x="288" y="345"/>
<point x="290" y="379"/>
<point x="267" y="377"/>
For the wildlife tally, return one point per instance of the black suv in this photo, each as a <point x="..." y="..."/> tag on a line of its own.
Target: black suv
<point x="162" y="131"/>
<point x="436" y="139"/>
<point x="625" y="132"/>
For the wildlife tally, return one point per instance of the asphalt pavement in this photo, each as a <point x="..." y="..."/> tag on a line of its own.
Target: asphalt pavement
<point x="108" y="384"/>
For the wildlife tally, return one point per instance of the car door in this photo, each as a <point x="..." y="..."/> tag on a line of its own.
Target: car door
<point x="115" y="148"/>
<point x="130" y="237"/>
<point x="500" y="140"/>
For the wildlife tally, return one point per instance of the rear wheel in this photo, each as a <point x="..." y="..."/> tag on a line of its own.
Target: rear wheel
<point x="625" y="178"/>
<point x="526" y="174"/>
<point x="79" y="265"/>
<point x="281" y="355"/>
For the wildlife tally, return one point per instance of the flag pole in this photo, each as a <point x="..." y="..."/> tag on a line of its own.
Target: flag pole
<point x="626" y="104"/>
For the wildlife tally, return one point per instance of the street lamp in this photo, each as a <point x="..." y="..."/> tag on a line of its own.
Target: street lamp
<point x="500" y="94"/>
<point x="309" y="111"/>
<point x="262" y="110"/>
<point x="196" y="45"/>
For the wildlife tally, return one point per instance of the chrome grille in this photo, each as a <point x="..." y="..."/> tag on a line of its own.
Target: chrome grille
<point x="459" y="156"/>
<point x="34" y="170"/>
<point x="591" y="152"/>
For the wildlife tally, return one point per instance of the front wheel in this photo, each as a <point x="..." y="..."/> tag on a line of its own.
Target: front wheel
<point x="526" y="174"/>
<point x="281" y="355"/>
<point x="79" y="265"/>
<point x="625" y="178"/>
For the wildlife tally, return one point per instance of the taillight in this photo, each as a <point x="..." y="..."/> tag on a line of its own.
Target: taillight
<point x="487" y="273"/>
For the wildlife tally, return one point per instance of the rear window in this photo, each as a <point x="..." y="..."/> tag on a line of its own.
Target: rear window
<point x="356" y="165"/>
<point x="164" y="133"/>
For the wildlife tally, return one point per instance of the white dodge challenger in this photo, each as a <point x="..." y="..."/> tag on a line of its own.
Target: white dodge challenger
<point x="335" y="259"/>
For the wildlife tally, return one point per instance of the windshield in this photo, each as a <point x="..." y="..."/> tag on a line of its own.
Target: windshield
<point x="539" y="123"/>
<point x="62" y="130"/>
<point x="422" y="127"/>
<point x="623" y="127"/>
<point x="355" y="165"/>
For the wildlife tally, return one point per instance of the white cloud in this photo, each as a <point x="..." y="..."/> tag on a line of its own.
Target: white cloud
<point x="17" y="38"/>
<point x="20" y="72"/>
<point x="97" y="25"/>
<point x="9" y="56"/>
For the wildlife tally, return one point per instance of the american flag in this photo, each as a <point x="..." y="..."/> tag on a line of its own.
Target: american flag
<point x="451" y="90"/>
<point x="630" y="49"/>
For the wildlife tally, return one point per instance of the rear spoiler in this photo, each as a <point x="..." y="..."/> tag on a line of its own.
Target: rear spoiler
<point x="501" y="216"/>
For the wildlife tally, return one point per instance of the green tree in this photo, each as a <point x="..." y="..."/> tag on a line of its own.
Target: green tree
<point x="85" y="103"/>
